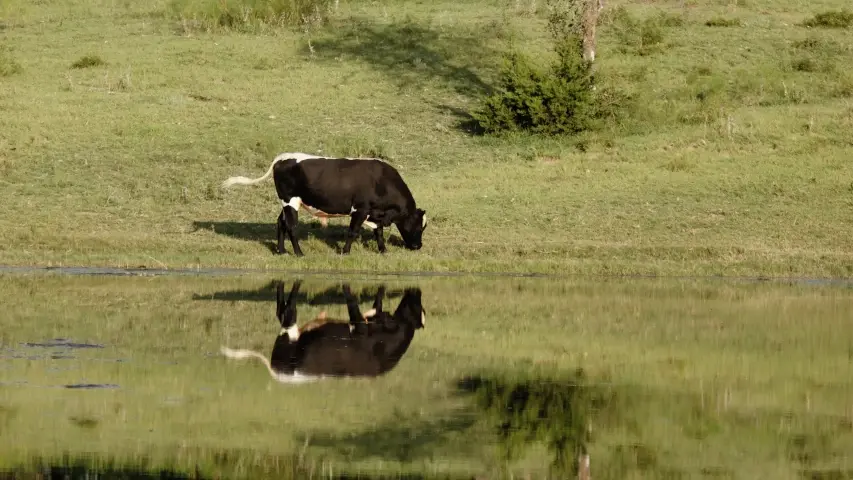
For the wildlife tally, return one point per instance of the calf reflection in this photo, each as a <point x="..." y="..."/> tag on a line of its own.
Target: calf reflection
<point x="370" y="344"/>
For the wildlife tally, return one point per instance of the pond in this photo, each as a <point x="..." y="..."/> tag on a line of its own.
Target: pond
<point x="254" y="376"/>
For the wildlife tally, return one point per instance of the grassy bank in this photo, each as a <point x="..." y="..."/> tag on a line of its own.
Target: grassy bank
<point x="121" y="119"/>
<point x="682" y="378"/>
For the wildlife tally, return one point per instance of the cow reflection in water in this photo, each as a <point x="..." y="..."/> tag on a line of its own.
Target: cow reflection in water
<point x="369" y="344"/>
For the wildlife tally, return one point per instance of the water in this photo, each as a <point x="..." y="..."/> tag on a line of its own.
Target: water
<point x="200" y="376"/>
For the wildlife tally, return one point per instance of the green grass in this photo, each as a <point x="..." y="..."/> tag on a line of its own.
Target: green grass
<point x="247" y="15"/>
<point x="680" y="378"/>
<point x="730" y="154"/>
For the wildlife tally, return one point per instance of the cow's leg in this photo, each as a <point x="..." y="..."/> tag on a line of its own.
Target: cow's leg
<point x="280" y="232"/>
<point x="380" y="238"/>
<point x="290" y="215"/>
<point x="355" y="316"/>
<point x="285" y="310"/>
<point x="377" y="302"/>
<point x="357" y="218"/>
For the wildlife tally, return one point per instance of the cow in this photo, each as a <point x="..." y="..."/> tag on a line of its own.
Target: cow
<point x="368" y="345"/>
<point x="368" y="190"/>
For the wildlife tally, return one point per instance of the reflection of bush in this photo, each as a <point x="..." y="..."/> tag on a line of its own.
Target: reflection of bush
<point x="553" y="412"/>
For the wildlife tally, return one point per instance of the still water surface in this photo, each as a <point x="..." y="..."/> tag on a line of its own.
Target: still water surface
<point x="257" y="377"/>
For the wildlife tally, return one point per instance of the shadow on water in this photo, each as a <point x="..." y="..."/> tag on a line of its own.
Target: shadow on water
<point x="512" y="415"/>
<point x="517" y="413"/>
<point x="83" y="471"/>
<point x="267" y="293"/>
<point x="411" y="53"/>
<point x="62" y="343"/>
<point x="366" y="344"/>
<point x="265" y="233"/>
<point x="220" y="464"/>
<point x="404" y="438"/>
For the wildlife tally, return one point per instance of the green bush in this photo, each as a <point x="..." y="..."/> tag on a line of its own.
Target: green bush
<point x="805" y="64"/>
<point x="722" y="22"/>
<point x="248" y="15"/>
<point x="556" y="101"/>
<point x="831" y="19"/>
<point x="88" y="61"/>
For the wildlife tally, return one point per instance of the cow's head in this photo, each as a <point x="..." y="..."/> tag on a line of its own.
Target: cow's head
<point x="412" y="229"/>
<point x="411" y="311"/>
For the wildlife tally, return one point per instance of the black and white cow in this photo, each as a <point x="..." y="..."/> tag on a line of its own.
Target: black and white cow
<point x="368" y="190"/>
<point x="369" y="345"/>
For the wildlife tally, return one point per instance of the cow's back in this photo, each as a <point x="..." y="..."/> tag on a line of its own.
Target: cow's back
<point x="332" y="350"/>
<point x="336" y="185"/>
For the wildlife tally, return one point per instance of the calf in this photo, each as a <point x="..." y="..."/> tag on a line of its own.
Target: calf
<point x="369" y="345"/>
<point x="368" y="190"/>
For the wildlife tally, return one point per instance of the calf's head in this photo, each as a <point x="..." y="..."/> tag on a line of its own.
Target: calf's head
<point x="412" y="229"/>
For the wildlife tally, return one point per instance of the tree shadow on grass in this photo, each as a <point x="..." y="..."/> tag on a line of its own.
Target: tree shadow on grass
<point x="465" y="122"/>
<point x="265" y="233"/>
<point x="412" y="53"/>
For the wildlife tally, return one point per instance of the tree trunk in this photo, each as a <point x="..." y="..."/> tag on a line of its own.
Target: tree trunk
<point x="591" y="10"/>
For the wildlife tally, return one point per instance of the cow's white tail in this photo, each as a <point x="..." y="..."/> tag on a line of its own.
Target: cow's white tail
<point x="240" y="180"/>
<point x="241" y="354"/>
<point x="281" y="377"/>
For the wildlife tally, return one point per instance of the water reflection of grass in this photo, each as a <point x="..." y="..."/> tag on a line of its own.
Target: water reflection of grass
<point x="683" y="378"/>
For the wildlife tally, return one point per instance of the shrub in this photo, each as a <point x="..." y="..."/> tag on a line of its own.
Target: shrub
<point x="88" y="61"/>
<point x="248" y="15"/>
<point x="805" y="64"/>
<point x="552" y="102"/>
<point x="722" y="22"/>
<point x="831" y="19"/>
<point x="8" y="66"/>
<point x="810" y="43"/>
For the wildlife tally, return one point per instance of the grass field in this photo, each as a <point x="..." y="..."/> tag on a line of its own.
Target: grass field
<point x="119" y="121"/>
<point x="683" y="379"/>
